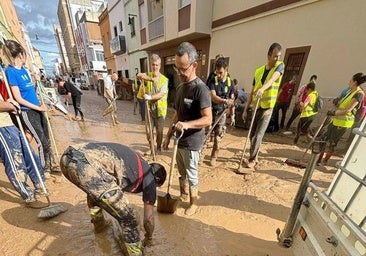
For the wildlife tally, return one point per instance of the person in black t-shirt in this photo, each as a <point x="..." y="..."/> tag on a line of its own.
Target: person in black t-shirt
<point x="192" y="114"/>
<point x="104" y="171"/>
<point x="74" y="93"/>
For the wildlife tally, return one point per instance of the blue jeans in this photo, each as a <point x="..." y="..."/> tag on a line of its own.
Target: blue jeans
<point x="260" y="124"/>
<point x="142" y="108"/>
<point x="17" y="161"/>
<point x="187" y="163"/>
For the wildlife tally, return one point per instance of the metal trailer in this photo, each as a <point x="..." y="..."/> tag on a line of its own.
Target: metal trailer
<point x="333" y="222"/>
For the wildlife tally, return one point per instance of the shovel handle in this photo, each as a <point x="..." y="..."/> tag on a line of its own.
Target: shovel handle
<point x="175" y="149"/>
<point x="249" y="132"/>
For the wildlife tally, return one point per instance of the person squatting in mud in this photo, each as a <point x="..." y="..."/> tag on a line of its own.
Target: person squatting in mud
<point x="104" y="171"/>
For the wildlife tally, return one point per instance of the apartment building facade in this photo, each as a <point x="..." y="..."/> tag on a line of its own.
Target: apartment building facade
<point x="320" y="37"/>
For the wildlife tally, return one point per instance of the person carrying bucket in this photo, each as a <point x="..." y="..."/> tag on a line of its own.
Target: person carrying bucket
<point x="192" y="113"/>
<point x="104" y="171"/>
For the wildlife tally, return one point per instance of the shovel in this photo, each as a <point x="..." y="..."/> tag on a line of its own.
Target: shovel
<point x="240" y="170"/>
<point x="168" y="203"/>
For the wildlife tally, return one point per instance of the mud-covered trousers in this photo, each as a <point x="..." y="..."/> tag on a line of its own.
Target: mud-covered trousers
<point x="18" y="163"/>
<point x="76" y="100"/>
<point x="37" y="124"/>
<point x="219" y="130"/>
<point x="260" y="124"/>
<point x="102" y="188"/>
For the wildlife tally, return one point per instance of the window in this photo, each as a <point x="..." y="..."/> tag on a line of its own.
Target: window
<point x="120" y="26"/>
<point x="115" y="31"/>
<point x="99" y="55"/>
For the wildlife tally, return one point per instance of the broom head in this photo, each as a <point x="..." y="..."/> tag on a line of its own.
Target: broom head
<point x="51" y="211"/>
<point x="295" y="163"/>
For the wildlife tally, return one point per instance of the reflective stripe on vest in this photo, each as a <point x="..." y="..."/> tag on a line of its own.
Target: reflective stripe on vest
<point x="162" y="104"/>
<point x="309" y="111"/>
<point x="227" y="85"/>
<point x="348" y="119"/>
<point x="269" y="96"/>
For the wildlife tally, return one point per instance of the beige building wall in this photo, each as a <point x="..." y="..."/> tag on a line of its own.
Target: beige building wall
<point x="105" y="31"/>
<point x="335" y="30"/>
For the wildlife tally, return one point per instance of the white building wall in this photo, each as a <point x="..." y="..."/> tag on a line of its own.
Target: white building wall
<point x="117" y="14"/>
<point x="335" y="30"/>
<point x="133" y="43"/>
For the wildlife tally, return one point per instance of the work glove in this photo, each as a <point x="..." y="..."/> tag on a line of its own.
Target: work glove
<point x="336" y="101"/>
<point x="229" y="102"/>
<point x="232" y="121"/>
<point x="147" y="97"/>
<point x="331" y="113"/>
<point x="16" y="105"/>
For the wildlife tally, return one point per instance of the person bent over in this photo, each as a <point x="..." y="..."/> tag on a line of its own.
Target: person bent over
<point x="104" y="171"/>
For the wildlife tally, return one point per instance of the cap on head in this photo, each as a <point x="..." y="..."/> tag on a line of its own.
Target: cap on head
<point x="159" y="173"/>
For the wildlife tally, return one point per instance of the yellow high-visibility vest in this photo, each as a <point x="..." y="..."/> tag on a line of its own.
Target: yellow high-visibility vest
<point x="309" y="110"/>
<point x="227" y="86"/>
<point x="162" y="104"/>
<point x="269" y="96"/>
<point x="348" y="119"/>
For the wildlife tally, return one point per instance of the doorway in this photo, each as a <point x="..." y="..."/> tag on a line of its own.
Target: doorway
<point x="295" y="61"/>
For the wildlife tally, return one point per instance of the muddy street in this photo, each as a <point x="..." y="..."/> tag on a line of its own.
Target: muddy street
<point x="236" y="216"/>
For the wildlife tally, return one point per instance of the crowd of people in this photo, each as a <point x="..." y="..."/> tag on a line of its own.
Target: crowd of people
<point x="105" y="171"/>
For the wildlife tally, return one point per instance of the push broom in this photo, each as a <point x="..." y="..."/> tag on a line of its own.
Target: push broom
<point x="51" y="210"/>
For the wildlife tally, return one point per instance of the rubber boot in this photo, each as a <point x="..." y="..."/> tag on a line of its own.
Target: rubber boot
<point x="134" y="249"/>
<point x="183" y="189"/>
<point x="327" y="157"/>
<point x="214" y="154"/>
<point x="97" y="219"/>
<point x="193" y="196"/>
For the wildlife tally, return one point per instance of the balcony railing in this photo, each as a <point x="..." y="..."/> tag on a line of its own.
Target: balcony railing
<point x="156" y="28"/>
<point x="118" y="45"/>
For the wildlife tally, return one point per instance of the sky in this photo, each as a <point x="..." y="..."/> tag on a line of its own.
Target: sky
<point x="38" y="17"/>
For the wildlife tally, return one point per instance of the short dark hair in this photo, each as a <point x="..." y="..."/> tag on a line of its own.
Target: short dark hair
<point x="359" y="78"/>
<point x="311" y="86"/>
<point x="272" y="47"/>
<point x="221" y="63"/>
<point x="159" y="173"/>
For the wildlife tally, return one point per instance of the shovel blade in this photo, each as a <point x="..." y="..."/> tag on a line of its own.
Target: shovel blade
<point x="167" y="204"/>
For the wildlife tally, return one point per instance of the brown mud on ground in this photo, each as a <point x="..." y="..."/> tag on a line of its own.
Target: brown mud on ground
<point x="237" y="216"/>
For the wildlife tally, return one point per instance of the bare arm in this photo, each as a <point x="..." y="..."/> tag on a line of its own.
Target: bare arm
<point x="216" y="99"/>
<point x="18" y="97"/>
<point x="349" y="108"/>
<point x="202" y="122"/>
<point x="149" y="223"/>
<point x="6" y="106"/>
<point x="269" y="83"/>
